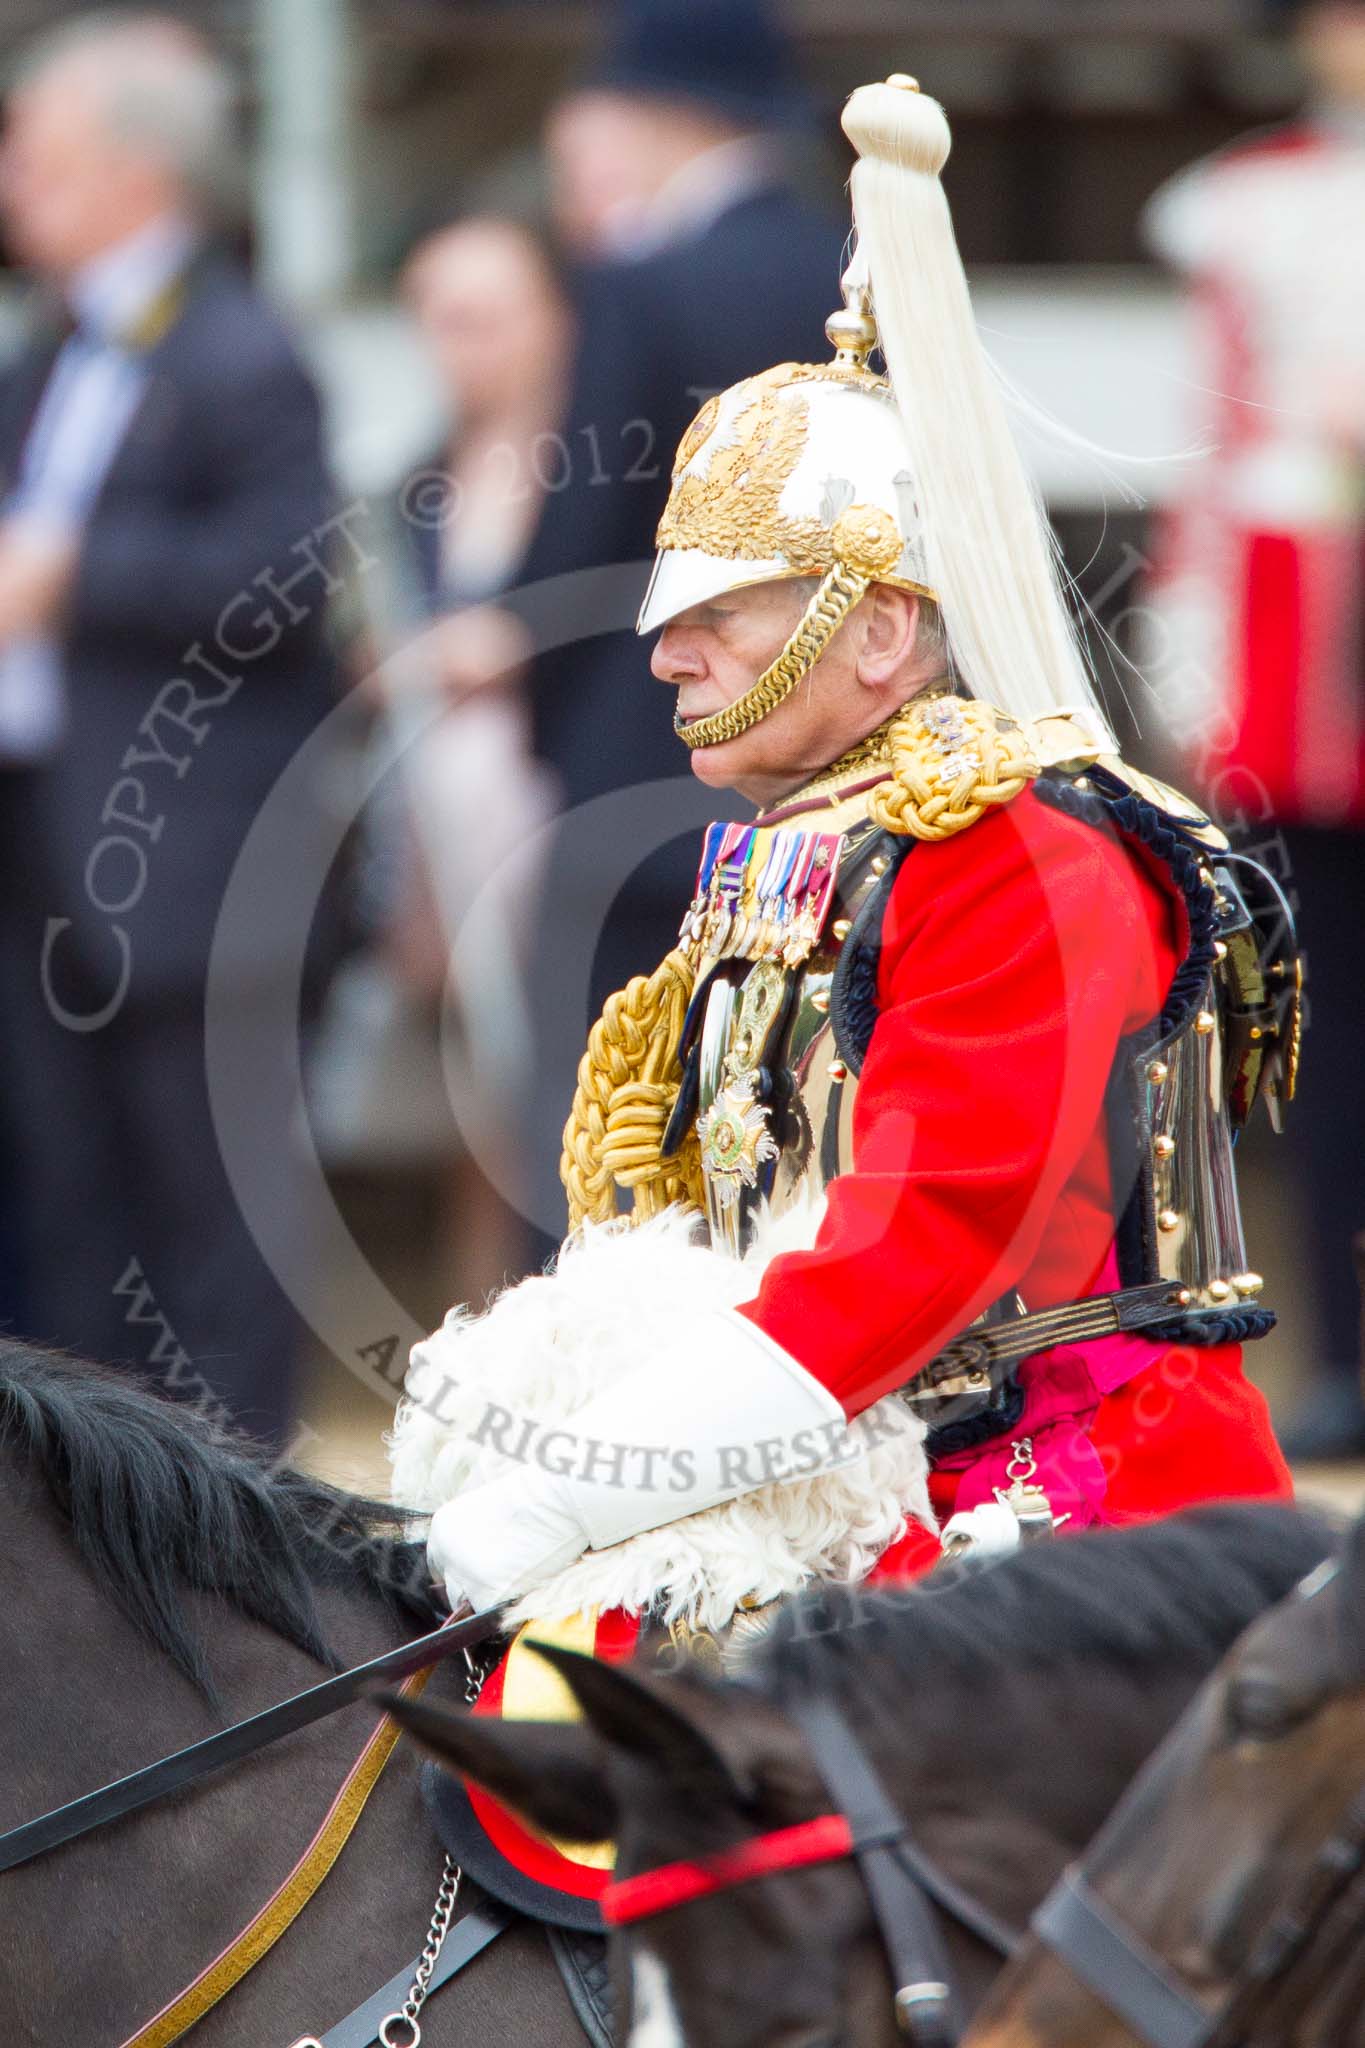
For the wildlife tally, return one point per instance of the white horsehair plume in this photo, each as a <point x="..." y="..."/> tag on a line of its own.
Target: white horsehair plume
<point x="990" y="553"/>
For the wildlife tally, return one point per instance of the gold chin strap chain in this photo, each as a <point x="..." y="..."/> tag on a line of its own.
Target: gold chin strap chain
<point x="628" y="1082"/>
<point x="866" y="546"/>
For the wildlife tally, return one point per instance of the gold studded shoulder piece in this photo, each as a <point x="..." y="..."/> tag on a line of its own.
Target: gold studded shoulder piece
<point x="953" y="759"/>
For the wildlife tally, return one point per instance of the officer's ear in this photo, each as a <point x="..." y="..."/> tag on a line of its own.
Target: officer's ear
<point x="890" y="623"/>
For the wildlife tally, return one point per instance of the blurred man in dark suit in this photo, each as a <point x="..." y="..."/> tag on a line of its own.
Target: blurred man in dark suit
<point x="670" y="170"/>
<point x="165" y="562"/>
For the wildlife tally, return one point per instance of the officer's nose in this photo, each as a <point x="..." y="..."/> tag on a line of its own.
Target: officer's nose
<point x="676" y="657"/>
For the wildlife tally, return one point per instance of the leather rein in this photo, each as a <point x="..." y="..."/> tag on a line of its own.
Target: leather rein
<point x="902" y="1882"/>
<point x="411" y="1662"/>
<point x="288" y="1900"/>
<point x="232" y="1745"/>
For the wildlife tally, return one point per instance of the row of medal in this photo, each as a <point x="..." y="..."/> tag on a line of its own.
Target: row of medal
<point x="763" y="893"/>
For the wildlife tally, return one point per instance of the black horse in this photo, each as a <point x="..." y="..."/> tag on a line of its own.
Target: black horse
<point x="1003" y="1713"/>
<point x="156" y="1580"/>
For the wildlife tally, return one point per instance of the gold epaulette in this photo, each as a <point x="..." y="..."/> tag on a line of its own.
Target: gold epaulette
<point x="951" y="761"/>
<point x="954" y="759"/>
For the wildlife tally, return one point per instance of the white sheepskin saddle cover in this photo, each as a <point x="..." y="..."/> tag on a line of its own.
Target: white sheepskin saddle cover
<point x="551" y="1343"/>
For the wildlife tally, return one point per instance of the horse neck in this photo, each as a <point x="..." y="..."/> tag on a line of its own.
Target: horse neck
<point x="1003" y="1785"/>
<point x="97" y="1697"/>
<point x="87" y="1699"/>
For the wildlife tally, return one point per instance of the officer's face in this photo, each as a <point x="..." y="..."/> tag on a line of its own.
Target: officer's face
<point x="716" y="651"/>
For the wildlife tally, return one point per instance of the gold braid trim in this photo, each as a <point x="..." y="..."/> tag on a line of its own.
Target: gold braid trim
<point x="628" y="1082"/>
<point x="952" y="760"/>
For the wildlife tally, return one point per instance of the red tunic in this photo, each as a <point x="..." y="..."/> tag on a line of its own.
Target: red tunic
<point x="1016" y="958"/>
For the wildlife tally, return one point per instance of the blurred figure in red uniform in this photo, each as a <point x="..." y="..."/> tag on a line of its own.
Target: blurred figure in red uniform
<point x="1260" y="625"/>
<point x="944" y="1066"/>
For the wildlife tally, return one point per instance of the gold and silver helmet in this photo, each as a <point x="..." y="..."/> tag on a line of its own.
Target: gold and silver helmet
<point x="912" y="479"/>
<point x="802" y="471"/>
<point x="768" y="469"/>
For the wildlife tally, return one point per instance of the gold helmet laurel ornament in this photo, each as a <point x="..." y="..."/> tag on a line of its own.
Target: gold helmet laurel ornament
<point x="913" y="479"/>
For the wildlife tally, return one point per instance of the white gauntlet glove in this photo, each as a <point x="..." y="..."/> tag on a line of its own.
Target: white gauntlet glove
<point x="719" y="1411"/>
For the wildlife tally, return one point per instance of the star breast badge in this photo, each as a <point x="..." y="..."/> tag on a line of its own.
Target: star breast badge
<point x="735" y="1139"/>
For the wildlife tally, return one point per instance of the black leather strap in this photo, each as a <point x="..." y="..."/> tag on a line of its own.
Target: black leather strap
<point x="958" y="1904"/>
<point x="910" y="1935"/>
<point x="1118" y="1968"/>
<point x="835" y="1737"/>
<point x="243" y="1739"/>
<point x="468" y="1938"/>
<point x="581" y="1960"/>
<point x="1002" y="1344"/>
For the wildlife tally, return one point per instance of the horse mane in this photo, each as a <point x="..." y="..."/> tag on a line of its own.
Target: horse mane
<point x="161" y="1500"/>
<point x="1172" y="1594"/>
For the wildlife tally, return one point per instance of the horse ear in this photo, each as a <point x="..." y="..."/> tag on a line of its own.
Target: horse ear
<point x="632" y="1716"/>
<point x="553" y="1774"/>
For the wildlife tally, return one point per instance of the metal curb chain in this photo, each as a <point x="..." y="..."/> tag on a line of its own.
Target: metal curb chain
<point x="408" y="2015"/>
<point x="412" y="2005"/>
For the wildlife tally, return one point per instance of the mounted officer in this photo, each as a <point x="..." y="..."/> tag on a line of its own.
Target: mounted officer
<point x="945" y="1067"/>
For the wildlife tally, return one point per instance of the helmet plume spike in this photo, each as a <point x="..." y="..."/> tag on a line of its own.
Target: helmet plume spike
<point x="990" y="556"/>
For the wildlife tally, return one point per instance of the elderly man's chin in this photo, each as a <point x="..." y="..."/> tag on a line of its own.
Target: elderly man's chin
<point x="752" y="765"/>
<point x="763" y="762"/>
<point x="721" y="766"/>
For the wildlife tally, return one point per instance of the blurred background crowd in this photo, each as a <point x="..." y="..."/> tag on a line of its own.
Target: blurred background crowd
<point x="344" y="346"/>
